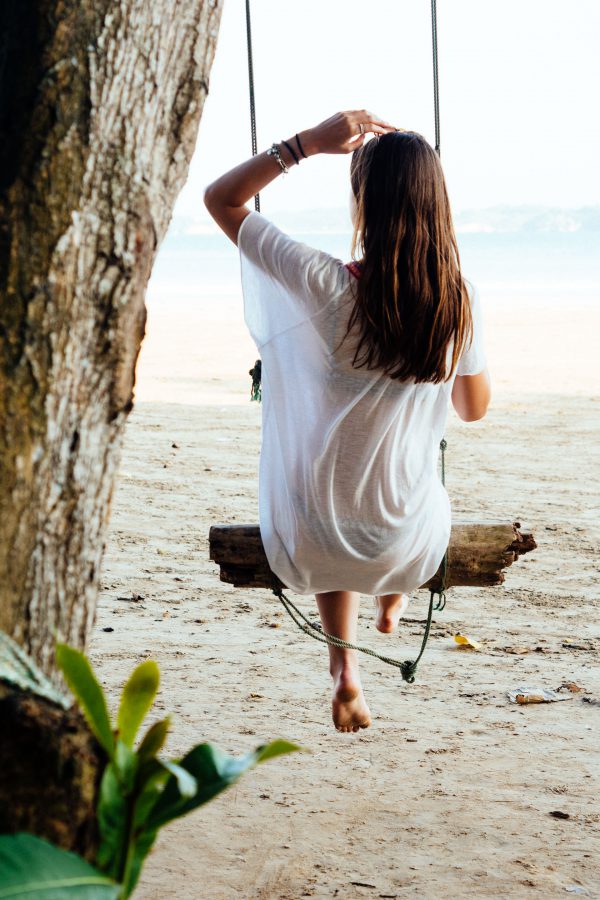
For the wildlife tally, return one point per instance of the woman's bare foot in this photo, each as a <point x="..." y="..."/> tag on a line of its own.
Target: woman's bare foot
<point x="339" y="616"/>
<point x="390" y="608"/>
<point x="349" y="707"/>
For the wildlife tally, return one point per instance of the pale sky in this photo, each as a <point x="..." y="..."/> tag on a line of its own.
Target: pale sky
<point x="518" y="94"/>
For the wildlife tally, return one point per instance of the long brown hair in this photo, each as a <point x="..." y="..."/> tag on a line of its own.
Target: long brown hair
<point x="411" y="300"/>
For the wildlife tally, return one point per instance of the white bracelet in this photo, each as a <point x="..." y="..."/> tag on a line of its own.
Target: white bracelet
<point x="276" y="153"/>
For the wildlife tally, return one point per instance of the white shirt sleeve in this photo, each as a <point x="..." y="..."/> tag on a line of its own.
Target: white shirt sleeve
<point x="303" y="270"/>
<point x="284" y="281"/>
<point x="473" y="359"/>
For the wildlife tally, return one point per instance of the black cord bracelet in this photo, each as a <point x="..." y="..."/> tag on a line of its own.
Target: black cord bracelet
<point x="300" y="147"/>
<point x="292" y="151"/>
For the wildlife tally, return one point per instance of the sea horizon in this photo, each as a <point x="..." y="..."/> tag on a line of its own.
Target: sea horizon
<point x="528" y="254"/>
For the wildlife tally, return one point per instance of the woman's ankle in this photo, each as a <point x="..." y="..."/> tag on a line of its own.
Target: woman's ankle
<point x="342" y="662"/>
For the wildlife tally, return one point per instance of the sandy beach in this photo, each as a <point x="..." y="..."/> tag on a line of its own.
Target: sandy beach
<point x="454" y="791"/>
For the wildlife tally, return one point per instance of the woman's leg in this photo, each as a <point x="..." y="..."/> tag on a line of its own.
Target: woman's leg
<point x="339" y="617"/>
<point x="390" y="607"/>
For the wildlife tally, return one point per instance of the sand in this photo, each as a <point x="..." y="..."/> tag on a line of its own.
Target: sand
<point x="452" y="791"/>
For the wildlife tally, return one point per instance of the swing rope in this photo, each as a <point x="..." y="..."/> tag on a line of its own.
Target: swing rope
<point x="406" y="667"/>
<point x="436" y="83"/>
<point x="252" y="98"/>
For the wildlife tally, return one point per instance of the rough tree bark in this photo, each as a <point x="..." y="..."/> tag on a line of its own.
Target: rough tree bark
<point x="100" y="102"/>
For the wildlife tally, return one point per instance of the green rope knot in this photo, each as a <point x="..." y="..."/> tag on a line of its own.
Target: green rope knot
<point x="256" y="375"/>
<point x="408" y="670"/>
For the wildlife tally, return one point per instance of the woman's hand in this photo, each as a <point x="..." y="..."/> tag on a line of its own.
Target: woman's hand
<point x="342" y="132"/>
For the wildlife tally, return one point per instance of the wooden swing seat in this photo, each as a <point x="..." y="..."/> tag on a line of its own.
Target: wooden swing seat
<point x="477" y="555"/>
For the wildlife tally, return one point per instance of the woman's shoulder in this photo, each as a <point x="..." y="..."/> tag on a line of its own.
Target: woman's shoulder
<point x="312" y="275"/>
<point x="288" y="259"/>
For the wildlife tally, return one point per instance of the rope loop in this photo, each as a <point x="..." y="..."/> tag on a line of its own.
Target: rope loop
<point x="407" y="667"/>
<point x="441" y="601"/>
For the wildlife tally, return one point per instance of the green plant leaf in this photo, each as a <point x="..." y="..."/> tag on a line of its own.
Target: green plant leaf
<point x="33" y="869"/>
<point x="275" y="748"/>
<point x="186" y="783"/>
<point x="83" y="684"/>
<point x="154" y="740"/>
<point x="112" y="815"/>
<point x="136" y="699"/>
<point x="138" y="853"/>
<point x="214" y="771"/>
<point x="126" y="765"/>
<point x="152" y="777"/>
<point x="208" y="770"/>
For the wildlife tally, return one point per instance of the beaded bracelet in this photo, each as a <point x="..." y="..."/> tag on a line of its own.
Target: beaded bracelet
<point x="275" y="152"/>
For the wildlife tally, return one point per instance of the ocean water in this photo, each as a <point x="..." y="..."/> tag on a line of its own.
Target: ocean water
<point x="534" y="268"/>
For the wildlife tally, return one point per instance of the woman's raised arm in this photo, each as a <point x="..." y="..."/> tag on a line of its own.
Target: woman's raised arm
<point x="343" y="132"/>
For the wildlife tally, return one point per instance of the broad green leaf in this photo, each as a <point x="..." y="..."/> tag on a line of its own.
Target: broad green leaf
<point x="112" y="815"/>
<point x="33" y="869"/>
<point x="208" y="769"/>
<point x="154" y="740"/>
<point x="126" y="765"/>
<point x="136" y="699"/>
<point x="186" y="783"/>
<point x="152" y="777"/>
<point x="82" y="682"/>
<point x="214" y="771"/>
<point x="275" y="748"/>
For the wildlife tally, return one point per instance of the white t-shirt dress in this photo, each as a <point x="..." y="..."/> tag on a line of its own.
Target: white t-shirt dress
<point x="349" y="494"/>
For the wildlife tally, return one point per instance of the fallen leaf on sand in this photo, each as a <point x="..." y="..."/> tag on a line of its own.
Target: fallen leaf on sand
<point x="466" y="643"/>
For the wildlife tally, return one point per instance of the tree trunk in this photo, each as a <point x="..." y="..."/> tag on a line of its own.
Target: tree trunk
<point x="49" y="772"/>
<point x="50" y="763"/>
<point x="477" y="555"/>
<point x="100" y="102"/>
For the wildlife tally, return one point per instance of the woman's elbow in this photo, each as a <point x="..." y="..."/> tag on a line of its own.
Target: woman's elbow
<point x="471" y="396"/>
<point x="474" y="414"/>
<point x="208" y="197"/>
<point x="477" y="408"/>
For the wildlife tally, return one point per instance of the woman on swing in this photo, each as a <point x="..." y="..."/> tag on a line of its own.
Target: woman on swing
<point x="359" y="364"/>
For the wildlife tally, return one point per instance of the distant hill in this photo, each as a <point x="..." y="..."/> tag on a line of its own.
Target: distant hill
<point x="512" y="219"/>
<point x="493" y="220"/>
